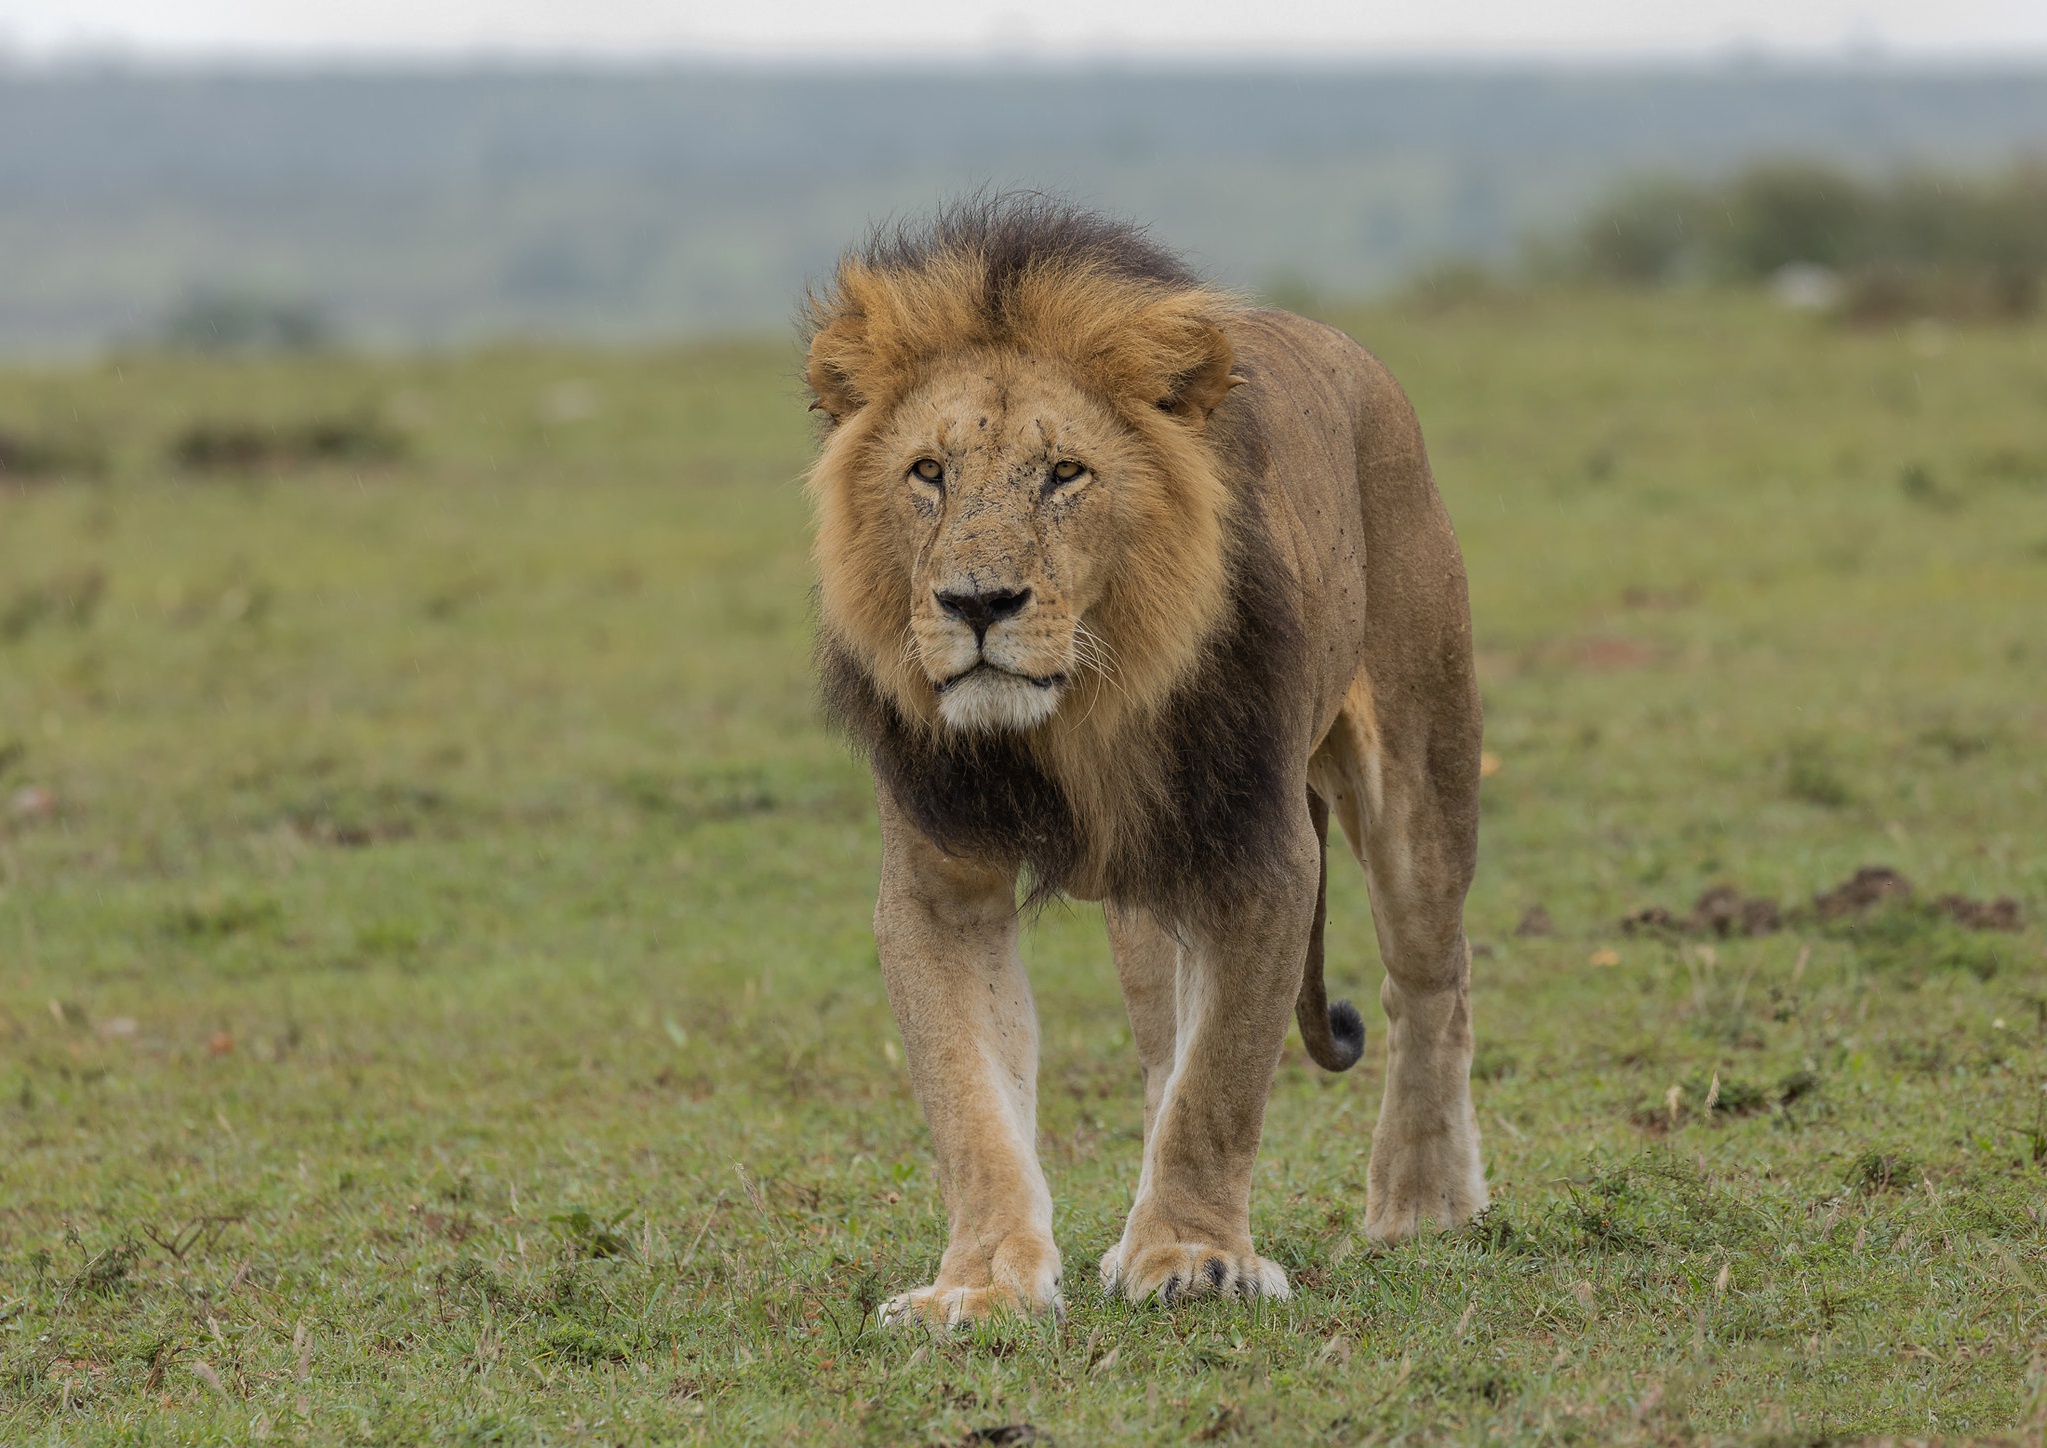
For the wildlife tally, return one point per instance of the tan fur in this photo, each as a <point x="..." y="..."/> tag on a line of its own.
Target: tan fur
<point x="1125" y="582"/>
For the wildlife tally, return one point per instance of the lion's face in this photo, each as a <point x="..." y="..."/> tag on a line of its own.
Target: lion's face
<point x="1005" y="478"/>
<point x="1019" y="523"/>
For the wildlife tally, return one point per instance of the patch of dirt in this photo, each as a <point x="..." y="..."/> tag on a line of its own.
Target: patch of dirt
<point x="247" y="446"/>
<point x="1999" y="914"/>
<point x="1863" y="891"/>
<point x="1534" y="922"/>
<point x="1876" y="1171"/>
<point x="1649" y="918"/>
<point x="1721" y="911"/>
<point x="1008" y="1435"/>
<point x="1608" y="655"/>
<point x="1658" y="599"/>
<point x="1875" y="885"/>
<point x="1724" y="911"/>
<point x="1702" y="1098"/>
<point x="457" y="1227"/>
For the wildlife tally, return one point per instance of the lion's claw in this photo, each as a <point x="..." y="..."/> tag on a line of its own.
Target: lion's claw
<point x="1173" y="1271"/>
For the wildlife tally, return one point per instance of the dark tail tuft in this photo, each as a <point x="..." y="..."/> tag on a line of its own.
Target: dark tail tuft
<point x="1334" y="1035"/>
<point x="1346" y="1036"/>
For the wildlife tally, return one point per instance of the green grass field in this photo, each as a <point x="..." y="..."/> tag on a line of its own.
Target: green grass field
<point x="437" y="1000"/>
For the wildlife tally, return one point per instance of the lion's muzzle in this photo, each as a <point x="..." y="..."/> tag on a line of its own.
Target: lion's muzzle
<point x="989" y="699"/>
<point x="990" y="683"/>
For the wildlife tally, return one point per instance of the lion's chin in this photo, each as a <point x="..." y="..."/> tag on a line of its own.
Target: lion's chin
<point x="989" y="701"/>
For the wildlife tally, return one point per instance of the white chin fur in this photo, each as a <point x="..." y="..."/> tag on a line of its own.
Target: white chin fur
<point x="989" y="702"/>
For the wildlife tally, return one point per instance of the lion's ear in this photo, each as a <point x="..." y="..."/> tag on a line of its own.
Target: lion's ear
<point x="834" y="364"/>
<point x="1204" y="379"/>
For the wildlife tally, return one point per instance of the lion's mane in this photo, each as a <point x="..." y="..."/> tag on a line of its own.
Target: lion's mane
<point x="1163" y="784"/>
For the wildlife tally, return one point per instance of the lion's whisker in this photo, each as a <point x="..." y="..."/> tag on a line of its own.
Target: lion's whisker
<point x="1093" y="649"/>
<point x="1092" y="654"/>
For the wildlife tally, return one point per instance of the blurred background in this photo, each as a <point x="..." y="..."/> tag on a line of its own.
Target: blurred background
<point x="233" y="174"/>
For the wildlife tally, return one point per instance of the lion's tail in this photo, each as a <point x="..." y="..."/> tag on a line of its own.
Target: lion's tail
<point x="1333" y="1034"/>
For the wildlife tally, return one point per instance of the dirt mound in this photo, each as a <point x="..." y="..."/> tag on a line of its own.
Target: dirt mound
<point x="1876" y="885"/>
<point x="1721" y="911"/>
<point x="1724" y="911"/>
<point x="1535" y="922"/>
<point x="1999" y="914"/>
<point x="1863" y="891"/>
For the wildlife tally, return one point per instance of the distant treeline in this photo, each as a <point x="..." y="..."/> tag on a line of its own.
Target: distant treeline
<point x="1919" y="241"/>
<point x="274" y="208"/>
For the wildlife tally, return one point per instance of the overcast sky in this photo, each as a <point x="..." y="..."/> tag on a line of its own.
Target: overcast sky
<point x="1219" y="29"/>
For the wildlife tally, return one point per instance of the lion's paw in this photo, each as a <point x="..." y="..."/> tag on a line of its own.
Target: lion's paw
<point x="937" y="1306"/>
<point x="1413" y="1184"/>
<point x="1174" y="1271"/>
<point x="1021" y="1277"/>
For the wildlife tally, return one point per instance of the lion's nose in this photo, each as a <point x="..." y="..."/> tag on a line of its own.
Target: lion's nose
<point x="982" y="611"/>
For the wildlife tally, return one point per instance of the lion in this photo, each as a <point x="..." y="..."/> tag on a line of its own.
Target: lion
<point x="1125" y="586"/>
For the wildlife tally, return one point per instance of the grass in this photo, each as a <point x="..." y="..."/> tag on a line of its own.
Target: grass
<point x="437" y="1002"/>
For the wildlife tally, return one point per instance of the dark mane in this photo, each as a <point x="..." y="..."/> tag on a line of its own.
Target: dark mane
<point x="981" y="796"/>
<point x="1225" y="740"/>
<point x="1221" y="830"/>
<point x="1012" y="231"/>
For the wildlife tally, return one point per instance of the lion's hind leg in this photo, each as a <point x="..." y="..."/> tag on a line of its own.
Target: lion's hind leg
<point x="1406" y="798"/>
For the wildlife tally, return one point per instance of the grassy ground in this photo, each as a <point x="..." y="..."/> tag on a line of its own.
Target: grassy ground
<point x="436" y="997"/>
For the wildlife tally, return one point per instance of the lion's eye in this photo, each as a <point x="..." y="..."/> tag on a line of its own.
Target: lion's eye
<point x="1067" y="471"/>
<point x="928" y="470"/>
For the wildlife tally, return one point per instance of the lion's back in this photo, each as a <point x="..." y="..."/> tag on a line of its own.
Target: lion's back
<point x="1323" y="395"/>
<point x="1345" y="479"/>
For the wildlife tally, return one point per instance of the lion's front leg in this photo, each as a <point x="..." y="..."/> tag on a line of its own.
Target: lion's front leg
<point x="947" y="934"/>
<point x="1235" y="982"/>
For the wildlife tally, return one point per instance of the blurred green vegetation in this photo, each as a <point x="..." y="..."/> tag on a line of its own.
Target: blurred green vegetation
<point x="437" y="1000"/>
<point x="1920" y="242"/>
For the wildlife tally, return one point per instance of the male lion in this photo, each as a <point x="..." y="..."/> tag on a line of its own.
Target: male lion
<point x="1124" y="588"/>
